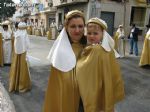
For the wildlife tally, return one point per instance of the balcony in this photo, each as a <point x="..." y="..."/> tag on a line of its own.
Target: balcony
<point x="59" y="3"/>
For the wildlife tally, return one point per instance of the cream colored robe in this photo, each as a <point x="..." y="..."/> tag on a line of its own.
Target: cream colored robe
<point x="7" y="46"/>
<point x="19" y="76"/>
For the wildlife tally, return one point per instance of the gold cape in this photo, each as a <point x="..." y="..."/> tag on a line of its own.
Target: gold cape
<point x="116" y="40"/>
<point x="1" y="50"/>
<point x="49" y="34"/>
<point x="145" y="56"/>
<point x="29" y="30"/>
<point x="19" y="77"/>
<point x="99" y="79"/>
<point x="62" y="93"/>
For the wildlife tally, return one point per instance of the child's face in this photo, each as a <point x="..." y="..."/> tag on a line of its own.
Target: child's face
<point x="94" y="33"/>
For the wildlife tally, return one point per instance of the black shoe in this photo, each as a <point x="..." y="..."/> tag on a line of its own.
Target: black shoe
<point x="136" y="54"/>
<point x="131" y="53"/>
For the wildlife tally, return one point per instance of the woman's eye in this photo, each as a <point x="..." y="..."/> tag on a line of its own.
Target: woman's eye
<point x="80" y="26"/>
<point x="89" y="33"/>
<point x="73" y="26"/>
<point x="95" y="33"/>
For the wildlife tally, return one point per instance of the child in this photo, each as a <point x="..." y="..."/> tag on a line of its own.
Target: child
<point x="98" y="73"/>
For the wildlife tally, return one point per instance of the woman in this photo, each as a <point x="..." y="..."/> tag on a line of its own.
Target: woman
<point x="7" y="43"/>
<point x="145" y="56"/>
<point x="19" y="78"/>
<point x="62" y="94"/>
<point x="98" y="73"/>
<point x="119" y="41"/>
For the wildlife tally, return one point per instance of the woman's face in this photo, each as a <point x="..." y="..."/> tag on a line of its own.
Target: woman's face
<point x="75" y="29"/>
<point x="94" y="33"/>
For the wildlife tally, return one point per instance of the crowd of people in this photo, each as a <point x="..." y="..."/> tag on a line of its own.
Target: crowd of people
<point x="84" y="68"/>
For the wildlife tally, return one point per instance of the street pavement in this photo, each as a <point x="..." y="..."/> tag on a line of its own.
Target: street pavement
<point x="136" y="80"/>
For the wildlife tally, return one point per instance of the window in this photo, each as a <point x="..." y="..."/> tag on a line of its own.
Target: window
<point x="138" y="16"/>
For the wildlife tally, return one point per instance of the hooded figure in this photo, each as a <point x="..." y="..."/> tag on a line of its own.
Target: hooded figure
<point x="19" y="77"/>
<point x="98" y="73"/>
<point x="145" y="56"/>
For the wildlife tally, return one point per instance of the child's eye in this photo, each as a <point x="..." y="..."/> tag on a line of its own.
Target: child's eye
<point x="95" y="33"/>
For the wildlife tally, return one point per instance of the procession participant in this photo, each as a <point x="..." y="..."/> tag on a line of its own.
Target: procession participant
<point x="62" y="94"/>
<point x="120" y="41"/>
<point x="98" y="73"/>
<point x="145" y="56"/>
<point x="7" y="43"/>
<point x="19" y="76"/>
<point x="53" y="30"/>
<point x="42" y="28"/>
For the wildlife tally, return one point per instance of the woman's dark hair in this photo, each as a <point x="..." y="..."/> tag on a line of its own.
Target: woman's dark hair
<point x="5" y="26"/>
<point x="16" y="25"/>
<point x="83" y="40"/>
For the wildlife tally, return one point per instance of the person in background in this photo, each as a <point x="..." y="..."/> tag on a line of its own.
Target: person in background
<point x="19" y="76"/>
<point x="42" y="28"/>
<point x="98" y="72"/>
<point x="53" y="30"/>
<point x="134" y="40"/>
<point x="145" y="56"/>
<point x="60" y="27"/>
<point x="7" y="43"/>
<point x="120" y="41"/>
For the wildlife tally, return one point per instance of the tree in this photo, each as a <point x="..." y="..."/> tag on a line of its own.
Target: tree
<point x="7" y="9"/>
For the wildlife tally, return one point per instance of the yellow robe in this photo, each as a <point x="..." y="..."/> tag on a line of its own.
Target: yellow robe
<point x="19" y="78"/>
<point x="99" y="79"/>
<point x="116" y="40"/>
<point x="49" y="34"/>
<point x="62" y="94"/>
<point x="119" y="44"/>
<point x="145" y="56"/>
<point x="1" y="51"/>
<point x="29" y="30"/>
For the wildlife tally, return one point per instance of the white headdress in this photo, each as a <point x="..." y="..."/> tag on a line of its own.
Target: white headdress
<point x="61" y="55"/>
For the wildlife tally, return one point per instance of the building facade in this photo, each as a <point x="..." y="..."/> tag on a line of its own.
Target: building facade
<point x="114" y="12"/>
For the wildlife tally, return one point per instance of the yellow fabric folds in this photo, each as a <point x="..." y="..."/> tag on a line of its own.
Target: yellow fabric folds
<point x="49" y="34"/>
<point x="1" y="51"/>
<point x="116" y="38"/>
<point x="29" y="30"/>
<point x="99" y="79"/>
<point x="19" y="79"/>
<point x="145" y="56"/>
<point x="62" y="94"/>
